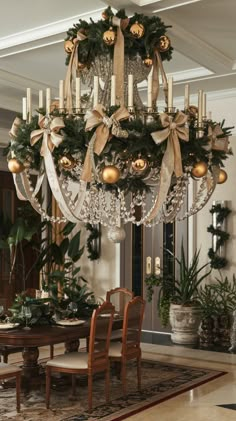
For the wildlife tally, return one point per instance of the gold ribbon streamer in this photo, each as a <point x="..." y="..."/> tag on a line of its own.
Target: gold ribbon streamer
<point x="73" y="65"/>
<point x="172" y="161"/>
<point x="105" y="126"/>
<point x="158" y="67"/>
<point x="15" y="127"/>
<point x="119" y="58"/>
<point x="49" y="130"/>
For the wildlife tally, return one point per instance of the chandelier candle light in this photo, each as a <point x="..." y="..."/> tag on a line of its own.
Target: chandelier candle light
<point x="104" y="153"/>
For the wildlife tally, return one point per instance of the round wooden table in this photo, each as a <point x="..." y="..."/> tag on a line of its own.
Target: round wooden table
<point x="31" y="340"/>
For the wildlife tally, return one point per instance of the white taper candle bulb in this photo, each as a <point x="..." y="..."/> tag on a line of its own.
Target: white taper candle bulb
<point x="29" y="104"/>
<point x="40" y="99"/>
<point x="204" y="102"/>
<point x="95" y="90"/>
<point x="48" y="100"/>
<point x="130" y="90"/>
<point x="170" y="92"/>
<point x="24" y="108"/>
<point x="186" y="96"/>
<point x="200" y="94"/>
<point x="113" y="90"/>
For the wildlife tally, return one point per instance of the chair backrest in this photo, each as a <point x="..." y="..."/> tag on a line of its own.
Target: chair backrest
<point x="98" y="348"/>
<point x="132" y="324"/>
<point x="119" y="297"/>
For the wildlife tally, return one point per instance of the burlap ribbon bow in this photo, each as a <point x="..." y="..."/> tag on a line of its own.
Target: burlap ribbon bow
<point x="72" y="69"/>
<point x="119" y="58"/>
<point x="49" y="131"/>
<point x="15" y="127"/>
<point x="158" y="67"/>
<point x="174" y="130"/>
<point x="105" y="127"/>
<point x="218" y="141"/>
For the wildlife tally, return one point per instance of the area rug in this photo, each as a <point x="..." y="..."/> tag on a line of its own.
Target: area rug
<point x="160" y="381"/>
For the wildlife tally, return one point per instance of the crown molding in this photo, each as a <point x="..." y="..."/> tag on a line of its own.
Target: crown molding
<point x="42" y="36"/>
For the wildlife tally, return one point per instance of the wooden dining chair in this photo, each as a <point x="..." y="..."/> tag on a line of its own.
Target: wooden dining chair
<point x="8" y="371"/>
<point x="91" y="362"/>
<point x="129" y="348"/>
<point x="119" y="297"/>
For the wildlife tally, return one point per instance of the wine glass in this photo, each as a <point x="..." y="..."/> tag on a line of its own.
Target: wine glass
<point x="73" y="307"/>
<point x="27" y="315"/>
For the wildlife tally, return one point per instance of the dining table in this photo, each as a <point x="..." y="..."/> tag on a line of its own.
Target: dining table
<point x="31" y="339"/>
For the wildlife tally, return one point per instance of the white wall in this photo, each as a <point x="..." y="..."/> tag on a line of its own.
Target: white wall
<point x="221" y="107"/>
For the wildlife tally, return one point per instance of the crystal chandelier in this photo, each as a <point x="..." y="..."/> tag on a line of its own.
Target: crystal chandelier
<point x="106" y="156"/>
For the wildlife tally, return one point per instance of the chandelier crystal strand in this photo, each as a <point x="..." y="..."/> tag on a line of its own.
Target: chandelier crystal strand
<point x="107" y="151"/>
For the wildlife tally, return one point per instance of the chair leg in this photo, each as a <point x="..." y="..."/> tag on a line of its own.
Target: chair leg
<point x="139" y="372"/>
<point x="48" y="386"/>
<point x="90" y="384"/>
<point x="18" y="382"/>
<point x="123" y="375"/>
<point x="107" y="383"/>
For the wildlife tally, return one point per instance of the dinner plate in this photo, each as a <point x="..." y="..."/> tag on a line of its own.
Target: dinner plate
<point x="8" y="325"/>
<point x="68" y="322"/>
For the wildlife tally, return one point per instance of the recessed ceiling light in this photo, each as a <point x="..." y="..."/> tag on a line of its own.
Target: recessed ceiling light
<point x="175" y="5"/>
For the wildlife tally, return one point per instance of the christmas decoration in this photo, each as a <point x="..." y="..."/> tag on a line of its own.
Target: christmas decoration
<point x="81" y="66"/>
<point x="116" y="234"/>
<point x="219" y="235"/>
<point x="109" y="37"/>
<point x="222" y="177"/>
<point x="68" y="46"/>
<point x="15" y="166"/>
<point x="67" y="162"/>
<point x="137" y="30"/>
<point x="147" y="61"/>
<point x="110" y="174"/>
<point x="199" y="169"/>
<point x="164" y="43"/>
<point x="139" y="165"/>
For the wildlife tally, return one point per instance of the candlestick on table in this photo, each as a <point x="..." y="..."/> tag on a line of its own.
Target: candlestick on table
<point x="61" y="95"/>
<point x="95" y="90"/>
<point x="113" y="90"/>
<point x="170" y="93"/>
<point x="78" y="93"/>
<point x="130" y="91"/>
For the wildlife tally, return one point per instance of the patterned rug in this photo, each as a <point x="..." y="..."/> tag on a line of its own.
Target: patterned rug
<point x="160" y="381"/>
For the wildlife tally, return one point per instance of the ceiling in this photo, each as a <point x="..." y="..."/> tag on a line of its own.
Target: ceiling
<point x="203" y="35"/>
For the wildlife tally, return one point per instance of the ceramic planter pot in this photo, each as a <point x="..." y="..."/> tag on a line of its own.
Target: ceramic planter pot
<point x="185" y="321"/>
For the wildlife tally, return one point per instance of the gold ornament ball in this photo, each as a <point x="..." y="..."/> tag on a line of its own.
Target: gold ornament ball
<point x="15" y="166"/>
<point x="199" y="169"/>
<point x="110" y="174"/>
<point x="147" y="61"/>
<point x="109" y="37"/>
<point x="137" y="30"/>
<point x="68" y="46"/>
<point x="193" y="110"/>
<point x="81" y="66"/>
<point x="67" y="162"/>
<point x="164" y="43"/>
<point x="139" y="165"/>
<point x="104" y="15"/>
<point x="222" y="177"/>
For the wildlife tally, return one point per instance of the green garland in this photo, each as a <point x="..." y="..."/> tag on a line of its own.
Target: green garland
<point x="218" y="262"/>
<point x="95" y="234"/>
<point x="139" y="143"/>
<point x="94" y="46"/>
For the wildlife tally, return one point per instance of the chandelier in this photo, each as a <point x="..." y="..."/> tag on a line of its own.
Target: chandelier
<point x="108" y="155"/>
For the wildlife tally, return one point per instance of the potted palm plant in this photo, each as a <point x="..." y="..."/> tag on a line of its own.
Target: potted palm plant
<point x="178" y="298"/>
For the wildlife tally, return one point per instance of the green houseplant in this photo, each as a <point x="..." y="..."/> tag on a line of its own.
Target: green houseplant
<point x="178" y="297"/>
